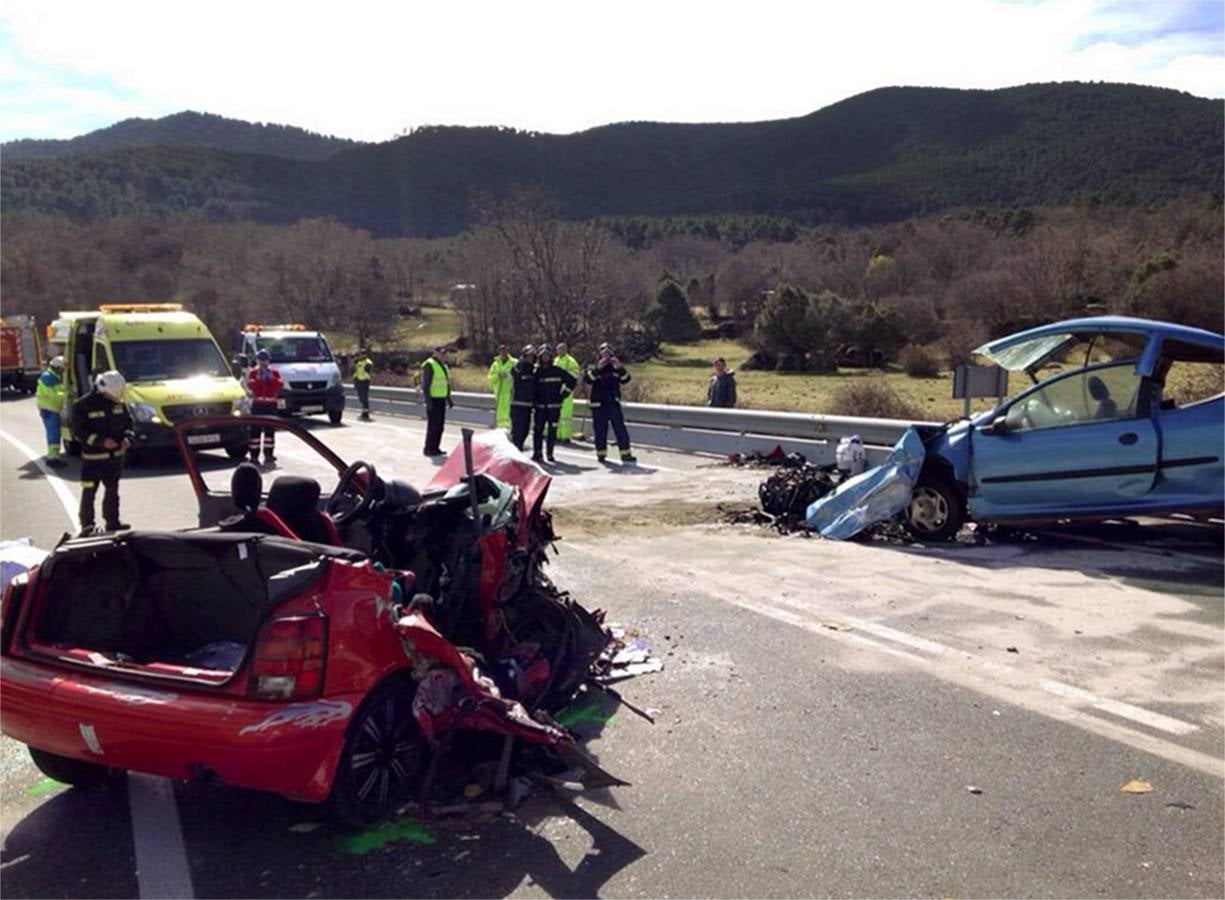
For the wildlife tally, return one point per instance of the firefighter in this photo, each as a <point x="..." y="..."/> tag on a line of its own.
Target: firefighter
<point x="606" y="378"/>
<point x="523" y="396"/>
<point x="49" y="396"/>
<point x="103" y="425"/>
<point x="265" y="385"/>
<point x="553" y="385"/>
<point x="362" y="367"/>
<point x="565" y="425"/>
<point x="501" y="383"/>
<point x="436" y="390"/>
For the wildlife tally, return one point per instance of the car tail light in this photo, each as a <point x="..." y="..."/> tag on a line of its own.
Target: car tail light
<point x="289" y="657"/>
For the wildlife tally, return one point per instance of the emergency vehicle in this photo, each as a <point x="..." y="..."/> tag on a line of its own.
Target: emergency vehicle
<point x="21" y="358"/>
<point x="304" y="359"/>
<point x="173" y="367"/>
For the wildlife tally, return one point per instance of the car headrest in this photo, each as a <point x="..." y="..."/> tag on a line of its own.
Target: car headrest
<point x="1097" y="388"/>
<point x="246" y="486"/>
<point x="292" y="497"/>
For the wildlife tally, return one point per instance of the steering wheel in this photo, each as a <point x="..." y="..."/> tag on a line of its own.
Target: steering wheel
<point x="353" y="495"/>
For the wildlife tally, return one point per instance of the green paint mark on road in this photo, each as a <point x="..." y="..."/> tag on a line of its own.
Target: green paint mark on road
<point x="46" y="786"/>
<point x="587" y="711"/>
<point x="387" y="833"/>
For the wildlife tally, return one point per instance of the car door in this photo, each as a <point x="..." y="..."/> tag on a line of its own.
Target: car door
<point x="1081" y="442"/>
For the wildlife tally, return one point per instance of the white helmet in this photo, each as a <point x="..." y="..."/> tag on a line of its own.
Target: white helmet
<point x="111" y="384"/>
<point x="57" y="362"/>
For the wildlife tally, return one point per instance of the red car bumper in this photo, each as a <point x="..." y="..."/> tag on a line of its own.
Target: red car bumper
<point x="285" y="748"/>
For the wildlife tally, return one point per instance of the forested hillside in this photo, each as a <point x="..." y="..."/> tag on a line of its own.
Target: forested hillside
<point x="882" y="156"/>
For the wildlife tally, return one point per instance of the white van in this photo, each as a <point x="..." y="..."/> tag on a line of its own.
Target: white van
<point x="308" y="368"/>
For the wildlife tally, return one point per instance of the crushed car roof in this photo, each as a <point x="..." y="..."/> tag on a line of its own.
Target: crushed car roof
<point x="1025" y="349"/>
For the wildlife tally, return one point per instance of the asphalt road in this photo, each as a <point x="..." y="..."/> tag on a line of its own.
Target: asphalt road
<point x="823" y="713"/>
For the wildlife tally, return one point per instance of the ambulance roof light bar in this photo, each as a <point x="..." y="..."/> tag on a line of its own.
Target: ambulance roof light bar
<point x="140" y="307"/>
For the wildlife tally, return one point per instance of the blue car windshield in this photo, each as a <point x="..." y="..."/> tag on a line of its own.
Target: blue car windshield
<point x="168" y="359"/>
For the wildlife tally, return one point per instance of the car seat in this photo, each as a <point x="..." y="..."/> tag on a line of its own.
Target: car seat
<point x="246" y="491"/>
<point x="296" y="501"/>
<point x="1106" y="407"/>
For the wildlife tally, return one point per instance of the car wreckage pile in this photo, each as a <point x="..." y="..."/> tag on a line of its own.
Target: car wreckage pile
<point x="374" y="669"/>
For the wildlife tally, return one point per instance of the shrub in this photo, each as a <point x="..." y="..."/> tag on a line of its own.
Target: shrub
<point x="920" y="362"/>
<point x="872" y="398"/>
<point x="671" y="316"/>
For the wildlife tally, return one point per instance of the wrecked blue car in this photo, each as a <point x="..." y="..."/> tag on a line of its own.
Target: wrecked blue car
<point x="1095" y="436"/>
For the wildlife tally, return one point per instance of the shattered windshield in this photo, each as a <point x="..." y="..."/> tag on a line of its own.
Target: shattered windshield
<point x="1063" y="352"/>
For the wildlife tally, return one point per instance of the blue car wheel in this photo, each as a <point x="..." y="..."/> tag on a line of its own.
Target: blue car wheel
<point x="936" y="511"/>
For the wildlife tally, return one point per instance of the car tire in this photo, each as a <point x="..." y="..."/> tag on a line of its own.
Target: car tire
<point x="383" y="754"/>
<point x="70" y="771"/>
<point x="936" y="510"/>
<point x="335" y="415"/>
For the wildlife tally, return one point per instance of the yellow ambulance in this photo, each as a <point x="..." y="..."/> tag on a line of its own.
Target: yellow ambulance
<point x="173" y="368"/>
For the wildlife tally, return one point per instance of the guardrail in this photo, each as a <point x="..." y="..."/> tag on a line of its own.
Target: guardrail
<point x="695" y="429"/>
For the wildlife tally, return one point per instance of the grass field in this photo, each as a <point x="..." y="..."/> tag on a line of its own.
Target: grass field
<point x="679" y="374"/>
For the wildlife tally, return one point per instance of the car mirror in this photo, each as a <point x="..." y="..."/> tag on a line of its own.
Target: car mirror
<point x="239" y="364"/>
<point x="995" y="426"/>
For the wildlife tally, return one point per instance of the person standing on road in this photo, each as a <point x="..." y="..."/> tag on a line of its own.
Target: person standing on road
<point x="553" y="385"/>
<point x="523" y="396"/>
<point x="362" y="367"/>
<point x="501" y="383"/>
<point x="436" y="390"/>
<point x="568" y="363"/>
<point x="49" y="397"/>
<point x="721" y="391"/>
<point x="103" y="426"/>
<point x="264" y="383"/>
<point x="606" y="378"/>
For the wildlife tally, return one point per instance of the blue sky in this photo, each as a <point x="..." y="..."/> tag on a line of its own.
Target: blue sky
<point x="369" y="70"/>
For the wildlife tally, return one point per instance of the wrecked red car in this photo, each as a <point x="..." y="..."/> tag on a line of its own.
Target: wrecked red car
<point x="322" y="647"/>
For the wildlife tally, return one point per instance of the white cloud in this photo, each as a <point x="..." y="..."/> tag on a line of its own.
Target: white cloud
<point x="368" y="69"/>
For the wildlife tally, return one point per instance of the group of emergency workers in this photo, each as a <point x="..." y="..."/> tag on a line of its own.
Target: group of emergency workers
<point x="535" y="394"/>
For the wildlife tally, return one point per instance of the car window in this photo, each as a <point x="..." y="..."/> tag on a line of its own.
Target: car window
<point x="163" y="359"/>
<point x="1091" y="395"/>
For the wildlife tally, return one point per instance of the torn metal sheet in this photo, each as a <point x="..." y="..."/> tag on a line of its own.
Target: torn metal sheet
<point x="878" y="494"/>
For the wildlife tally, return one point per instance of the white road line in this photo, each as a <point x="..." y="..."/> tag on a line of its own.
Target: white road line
<point x="62" y="491"/>
<point x="161" y="860"/>
<point x="1118" y="708"/>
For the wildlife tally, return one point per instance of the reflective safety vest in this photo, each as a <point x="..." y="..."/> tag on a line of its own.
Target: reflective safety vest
<point x="362" y="367"/>
<point x="49" y="394"/>
<point x="440" y="387"/>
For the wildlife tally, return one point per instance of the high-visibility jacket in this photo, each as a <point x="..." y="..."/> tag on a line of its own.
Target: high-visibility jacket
<point x="502" y="384"/>
<point x="605" y="381"/>
<point x="435" y="379"/>
<point x="265" y="384"/>
<point x="565" y="428"/>
<point x="96" y="417"/>
<point x="524" y="377"/>
<point x="362" y="367"/>
<point x="49" y="394"/>
<point x="553" y="385"/>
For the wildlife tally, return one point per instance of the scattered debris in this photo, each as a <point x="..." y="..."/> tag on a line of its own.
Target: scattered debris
<point x="1136" y="786"/>
<point x="1012" y="649"/>
<point x="758" y="459"/>
<point x="391" y="832"/>
<point x="974" y="789"/>
<point x="305" y="827"/>
<point x="836" y="626"/>
<point x="1180" y="804"/>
